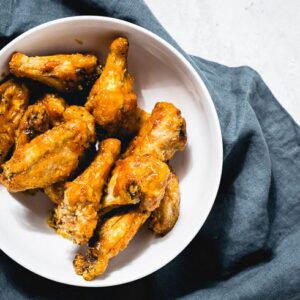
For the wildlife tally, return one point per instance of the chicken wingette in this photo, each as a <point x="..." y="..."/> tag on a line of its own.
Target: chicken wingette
<point x="48" y="158"/>
<point x="114" y="236"/>
<point x="165" y="216"/>
<point x="14" y="99"/>
<point x="64" y="72"/>
<point x="112" y="96"/>
<point x="163" y="134"/>
<point x="76" y="216"/>
<point x="55" y="191"/>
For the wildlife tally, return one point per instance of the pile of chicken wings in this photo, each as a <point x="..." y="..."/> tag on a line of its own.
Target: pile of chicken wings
<point x="44" y="145"/>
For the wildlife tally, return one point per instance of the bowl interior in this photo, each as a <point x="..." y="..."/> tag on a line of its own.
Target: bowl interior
<point x="160" y="75"/>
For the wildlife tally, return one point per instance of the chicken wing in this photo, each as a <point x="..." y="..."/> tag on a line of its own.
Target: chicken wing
<point x="165" y="216"/>
<point x="34" y="122"/>
<point x="55" y="107"/>
<point x="14" y="99"/>
<point x="39" y="117"/>
<point x="112" y="96"/>
<point x="76" y="216"/>
<point x="113" y="237"/>
<point x="64" y="72"/>
<point x="137" y="179"/>
<point x="48" y="158"/>
<point x="74" y="112"/>
<point x="162" y="135"/>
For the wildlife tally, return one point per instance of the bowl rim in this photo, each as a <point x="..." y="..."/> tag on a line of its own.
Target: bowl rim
<point x="215" y="120"/>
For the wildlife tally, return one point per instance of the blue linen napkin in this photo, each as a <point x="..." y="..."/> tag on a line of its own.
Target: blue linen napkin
<point x="249" y="247"/>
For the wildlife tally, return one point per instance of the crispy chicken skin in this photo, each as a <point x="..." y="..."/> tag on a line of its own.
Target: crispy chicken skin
<point x="76" y="216"/>
<point x="112" y="96"/>
<point x="137" y="179"/>
<point x="48" y="158"/>
<point x="39" y="117"/>
<point x="74" y="112"/>
<point x="64" y="72"/>
<point x="34" y="122"/>
<point x="114" y="236"/>
<point x="162" y="135"/>
<point x="14" y="99"/>
<point x="55" y="107"/>
<point x="165" y="216"/>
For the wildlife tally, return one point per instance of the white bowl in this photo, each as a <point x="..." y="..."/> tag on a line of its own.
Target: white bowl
<point x="161" y="73"/>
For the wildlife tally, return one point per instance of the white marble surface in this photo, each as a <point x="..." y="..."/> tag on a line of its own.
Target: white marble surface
<point x="262" y="34"/>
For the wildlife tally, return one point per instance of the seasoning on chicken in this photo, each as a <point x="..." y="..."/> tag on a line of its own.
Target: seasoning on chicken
<point x="137" y="179"/>
<point x="49" y="157"/>
<point x="76" y="216"/>
<point x="64" y="72"/>
<point x="162" y="135"/>
<point x="112" y="96"/>
<point x="114" y="236"/>
<point x="14" y="99"/>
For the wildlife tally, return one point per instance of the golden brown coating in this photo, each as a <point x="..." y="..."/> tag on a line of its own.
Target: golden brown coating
<point x="80" y="113"/>
<point x="64" y="72"/>
<point x="48" y="158"/>
<point x="14" y="99"/>
<point x="55" y="191"/>
<point x="137" y="179"/>
<point x="76" y="216"/>
<point x="55" y="107"/>
<point x="112" y="96"/>
<point x="34" y="122"/>
<point x="162" y="135"/>
<point x="39" y="117"/>
<point x="164" y="218"/>
<point x="114" y="236"/>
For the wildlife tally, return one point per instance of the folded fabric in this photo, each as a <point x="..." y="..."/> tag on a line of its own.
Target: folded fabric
<point x="249" y="247"/>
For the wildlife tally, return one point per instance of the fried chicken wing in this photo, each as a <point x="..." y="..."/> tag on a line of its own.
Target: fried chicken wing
<point x="34" y="122"/>
<point x="114" y="236"/>
<point x="137" y="179"/>
<point x="112" y="96"/>
<point x="76" y="216"/>
<point x="55" y="107"/>
<point x="162" y="135"/>
<point x="64" y="72"/>
<point x="39" y="117"/>
<point x="14" y="99"/>
<point x="48" y="158"/>
<point x="165" y="216"/>
<point x="74" y="112"/>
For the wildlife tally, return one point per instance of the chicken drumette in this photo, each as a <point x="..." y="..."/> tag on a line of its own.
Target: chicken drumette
<point x="13" y="103"/>
<point x="76" y="216"/>
<point x="114" y="236"/>
<point x="112" y="97"/>
<point x="64" y="72"/>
